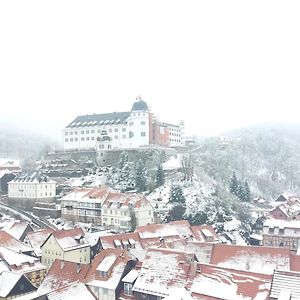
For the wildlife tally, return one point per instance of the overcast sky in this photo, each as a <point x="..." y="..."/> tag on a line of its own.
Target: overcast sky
<point x="216" y="64"/>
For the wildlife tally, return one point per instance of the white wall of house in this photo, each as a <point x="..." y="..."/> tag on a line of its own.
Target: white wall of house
<point x="144" y="215"/>
<point x="32" y="190"/>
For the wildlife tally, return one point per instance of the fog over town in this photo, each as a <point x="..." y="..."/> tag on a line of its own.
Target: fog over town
<point x="149" y="150"/>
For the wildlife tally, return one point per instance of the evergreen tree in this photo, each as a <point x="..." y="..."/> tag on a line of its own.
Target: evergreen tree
<point x="123" y="160"/>
<point x="234" y="185"/>
<point x="241" y="192"/>
<point x="247" y="192"/>
<point x="177" y="212"/>
<point x="140" y="179"/>
<point x="160" y="176"/>
<point x="176" y="194"/>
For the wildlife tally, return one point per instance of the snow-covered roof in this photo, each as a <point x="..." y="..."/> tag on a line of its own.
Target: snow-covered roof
<point x="282" y="223"/>
<point x="123" y="240"/>
<point x="19" y="263"/>
<point x="73" y="291"/>
<point x="262" y="260"/>
<point x="37" y="238"/>
<point x="161" y="271"/>
<point x="220" y="283"/>
<point x="8" y="281"/>
<point x="8" y="241"/>
<point x="112" y="278"/>
<point x="106" y="263"/>
<point x="131" y="276"/>
<point x="16" y="228"/>
<point x="174" y="163"/>
<point x="285" y="283"/>
<point x="69" y="239"/>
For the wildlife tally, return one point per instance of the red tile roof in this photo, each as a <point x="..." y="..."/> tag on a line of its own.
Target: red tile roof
<point x="295" y="262"/>
<point x="251" y="258"/>
<point x="200" y="235"/>
<point x="62" y="273"/>
<point x="8" y="241"/>
<point x="213" y="282"/>
<point x="127" y="240"/>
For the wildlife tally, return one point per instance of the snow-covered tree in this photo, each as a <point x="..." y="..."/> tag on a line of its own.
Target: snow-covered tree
<point x="177" y="212"/>
<point x="132" y="220"/>
<point x="176" y="194"/>
<point x="140" y="178"/>
<point x="247" y="192"/>
<point x="123" y="160"/>
<point x="234" y="185"/>
<point x="160" y="176"/>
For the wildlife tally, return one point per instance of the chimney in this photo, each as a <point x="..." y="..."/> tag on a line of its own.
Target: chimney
<point x="62" y="264"/>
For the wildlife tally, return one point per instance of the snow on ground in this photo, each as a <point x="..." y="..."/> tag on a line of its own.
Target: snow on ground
<point x="90" y="180"/>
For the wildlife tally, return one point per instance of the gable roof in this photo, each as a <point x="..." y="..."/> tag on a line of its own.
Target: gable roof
<point x="9" y="280"/>
<point x="62" y="273"/>
<point x="69" y="239"/>
<point x="251" y="258"/>
<point x="37" y="238"/>
<point x="8" y="241"/>
<point x="99" y="119"/>
<point x="17" y="228"/>
<point x="221" y="283"/>
<point x="18" y="262"/>
<point x="114" y="262"/>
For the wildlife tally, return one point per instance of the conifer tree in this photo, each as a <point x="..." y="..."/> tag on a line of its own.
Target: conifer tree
<point x="160" y="176"/>
<point x="140" y="179"/>
<point x="247" y="192"/>
<point x="234" y="185"/>
<point x="176" y="194"/>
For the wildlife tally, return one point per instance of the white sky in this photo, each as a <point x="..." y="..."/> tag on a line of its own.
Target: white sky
<point x="215" y="64"/>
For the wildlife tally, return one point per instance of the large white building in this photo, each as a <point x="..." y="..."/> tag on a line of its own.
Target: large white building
<point x="32" y="187"/>
<point x="133" y="129"/>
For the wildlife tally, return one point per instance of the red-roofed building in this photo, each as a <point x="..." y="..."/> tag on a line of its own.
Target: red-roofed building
<point x="8" y="241"/>
<point x="161" y="272"/>
<point x="205" y="233"/>
<point x="212" y="282"/>
<point x="36" y="238"/>
<point x="62" y="273"/>
<point x="84" y="204"/>
<point x="117" y="209"/>
<point x="67" y="245"/>
<point x="18" y="229"/>
<point x="130" y="240"/>
<point x="251" y="258"/>
<point x="107" y="270"/>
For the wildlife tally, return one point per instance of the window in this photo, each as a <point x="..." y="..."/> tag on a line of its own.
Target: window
<point x="128" y="289"/>
<point x="71" y="139"/>
<point x="116" y="130"/>
<point x="109" y="147"/>
<point x="109" y="130"/>
<point x="92" y="138"/>
<point x="130" y="123"/>
<point x="271" y="229"/>
<point x="76" y="139"/>
<point x="143" y="133"/>
<point x="66" y="140"/>
<point x="82" y="138"/>
<point x="131" y="134"/>
<point x="75" y="132"/>
<point x="87" y="131"/>
<point x="143" y="123"/>
<point x="82" y="131"/>
<point x="66" y="133"/>
<point x="93" y="131"/>
<point x="116" y="137"/>
<point x="124" y="129"/>
<point x="87" y="138"/>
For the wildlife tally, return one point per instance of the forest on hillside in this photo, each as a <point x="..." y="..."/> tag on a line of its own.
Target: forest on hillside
<point x="267" y="156"/>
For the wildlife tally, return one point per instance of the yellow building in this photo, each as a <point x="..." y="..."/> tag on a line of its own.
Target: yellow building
<point x="69" y="245"/>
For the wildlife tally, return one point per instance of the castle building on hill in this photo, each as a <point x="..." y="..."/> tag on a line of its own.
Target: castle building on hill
<point x="117" y="130"/>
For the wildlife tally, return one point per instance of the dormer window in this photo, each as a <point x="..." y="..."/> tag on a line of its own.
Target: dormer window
<point x="103" y="274"/>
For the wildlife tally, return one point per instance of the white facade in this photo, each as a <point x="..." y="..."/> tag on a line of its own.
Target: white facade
<point x="132" y="129"/>
<point x="34" y="190"/>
